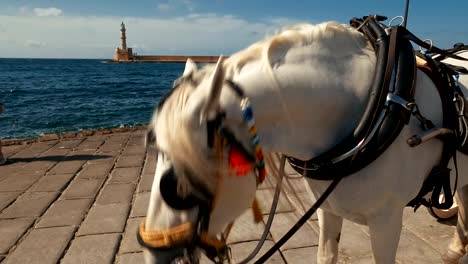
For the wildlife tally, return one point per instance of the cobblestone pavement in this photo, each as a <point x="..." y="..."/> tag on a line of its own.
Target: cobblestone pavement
<point x="80" y="200"/>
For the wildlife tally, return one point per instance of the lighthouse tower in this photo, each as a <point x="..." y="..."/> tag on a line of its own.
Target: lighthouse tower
<point x="123" y="53"/>
<point x="123" y="37"/>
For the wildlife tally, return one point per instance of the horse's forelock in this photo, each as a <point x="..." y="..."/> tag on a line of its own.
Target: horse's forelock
<point x="176" y="135"/>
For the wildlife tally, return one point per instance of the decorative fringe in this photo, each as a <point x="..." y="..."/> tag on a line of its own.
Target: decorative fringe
<point x="257" y="212"/>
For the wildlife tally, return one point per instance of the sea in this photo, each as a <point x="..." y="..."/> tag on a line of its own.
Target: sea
<point x="42" y="96"/>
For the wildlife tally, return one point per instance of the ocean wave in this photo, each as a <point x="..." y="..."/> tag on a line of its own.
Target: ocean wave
<point x="57" y="96"/>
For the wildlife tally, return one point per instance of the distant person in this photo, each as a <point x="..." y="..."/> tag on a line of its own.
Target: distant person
<point x="3" y="160"/>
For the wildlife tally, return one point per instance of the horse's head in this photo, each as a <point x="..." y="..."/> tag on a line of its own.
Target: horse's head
<point x="197" y="191"/>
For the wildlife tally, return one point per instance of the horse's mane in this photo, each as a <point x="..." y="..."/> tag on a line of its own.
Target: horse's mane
<point x="176" y="130"/>
<point x="271" y="50"/>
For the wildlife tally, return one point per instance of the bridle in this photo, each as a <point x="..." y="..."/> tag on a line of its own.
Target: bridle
<point x="191" y="236"/>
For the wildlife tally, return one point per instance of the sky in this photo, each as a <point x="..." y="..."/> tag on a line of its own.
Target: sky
<point x="91" y="28"/>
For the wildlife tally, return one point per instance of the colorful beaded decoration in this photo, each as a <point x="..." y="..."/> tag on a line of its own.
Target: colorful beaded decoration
<point x="250" y="122"/>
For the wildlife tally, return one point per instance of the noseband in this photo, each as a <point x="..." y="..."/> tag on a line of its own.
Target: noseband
<point x="190" y="236"/>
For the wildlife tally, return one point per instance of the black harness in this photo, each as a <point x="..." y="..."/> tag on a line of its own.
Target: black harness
<point x="390" y="106"/>
<point x="388" y="110"/>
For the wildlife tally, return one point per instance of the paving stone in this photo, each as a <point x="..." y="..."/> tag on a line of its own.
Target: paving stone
<point x="7" y="171"/>
<point x="41" y="166"/>
<point x="129" y="241"/>
<point x="268" y="183"/>
<point x="37" y="148"/>
<point x="134" y="150"/>
<point x="49" y="137"/>
<point x="11" y="231"/>
<point x="289" y="170"/>
<point x="96" y="249"/>
<point x="101" y="219"/>
<point x="98" y="170"/>
<point x="10" y="150"/>
<point x="82" y="154"/>
<point x="264" y="198"/>
<point x="82" y="188"/>
<point x="104" y="157"/>
<point x="91" y="144"/>
<point x="19" y="182"/>
<point x="150" y="162"/>
<point x="304" y="237"/>
<point x="411" y="249"/>
<point x="97" y="138"/>
<point x="140" y="205"/>
<point x="30" y="204"/>
<point x="369" y="259"/>
<point x="137" y="138"/>
<point x="301" y="255"/>
<point x="119" y="137"/>
<point x="114" y="193"/>
<point x="33" y="250"/>
<point x="125" y="175"/>
<point x="354" y="242"/>
<point x="55" y="153"/>
<point x="245" y="229"/>
<point x="302" y="202"/>
<point x="435" y="233"/>
<point x="241" y="250"/>
<point x="295" y="184"/>
<point x="67" y="167"/>
<point x="69" y="144"/>
<point x="146" y="182"/>
<point x="131" y="258"/>
<point x="65" y="213"/>
<point x="130" y="161"/>
<point x="110" y="146"/>
<point x="52" y="183"/>
<point x="6" y="198"/>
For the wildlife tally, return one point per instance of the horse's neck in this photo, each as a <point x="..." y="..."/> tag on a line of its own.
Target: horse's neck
<point x="302" y="110"/>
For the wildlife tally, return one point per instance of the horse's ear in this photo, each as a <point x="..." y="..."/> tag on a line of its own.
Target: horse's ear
<point x="190" y="67"/>
<point x="150" y="140"/>
<point x="211" y="106"/>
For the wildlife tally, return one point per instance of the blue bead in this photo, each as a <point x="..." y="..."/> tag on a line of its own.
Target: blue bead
<point x="255" y="140"/>
<point x="248" y="114"/>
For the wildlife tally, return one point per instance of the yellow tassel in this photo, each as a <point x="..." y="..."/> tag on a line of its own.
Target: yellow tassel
<point x="257" y="212"/>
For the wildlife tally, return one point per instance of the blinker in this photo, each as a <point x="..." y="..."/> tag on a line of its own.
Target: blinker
<point x="168" y="188"/>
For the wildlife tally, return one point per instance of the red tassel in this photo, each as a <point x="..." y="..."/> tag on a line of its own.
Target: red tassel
<point x="238" y="163"/>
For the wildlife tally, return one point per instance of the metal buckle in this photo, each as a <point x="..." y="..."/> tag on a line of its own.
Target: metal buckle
<point x="398" y="100"/>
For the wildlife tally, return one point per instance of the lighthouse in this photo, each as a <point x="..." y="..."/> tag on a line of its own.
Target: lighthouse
<point x="123" y="53"/>
<point x="122" y="36"/>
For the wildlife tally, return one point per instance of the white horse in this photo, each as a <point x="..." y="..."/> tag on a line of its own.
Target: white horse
<point x="308" y="87"/>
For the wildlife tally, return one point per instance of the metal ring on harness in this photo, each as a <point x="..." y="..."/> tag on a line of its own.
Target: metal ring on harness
<point x="395" y="18"/>
<point x="430" y="45"/>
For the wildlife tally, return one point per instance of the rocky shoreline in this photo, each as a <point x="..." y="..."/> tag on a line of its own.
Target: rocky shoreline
<point x="82" y="133"/>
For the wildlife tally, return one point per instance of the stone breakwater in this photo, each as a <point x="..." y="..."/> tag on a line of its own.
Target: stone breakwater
<point x="80" y="134"/>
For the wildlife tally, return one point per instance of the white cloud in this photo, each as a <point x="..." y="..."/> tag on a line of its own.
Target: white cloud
<point x="97" y="37"/>
<point x="170" y="5"/>
<point x="34" y="44"/>
<point x="164" y="7"/>
<point x="51" y="11"/>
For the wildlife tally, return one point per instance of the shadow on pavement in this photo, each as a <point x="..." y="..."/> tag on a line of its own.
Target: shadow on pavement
<point x="58" y="158"/>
